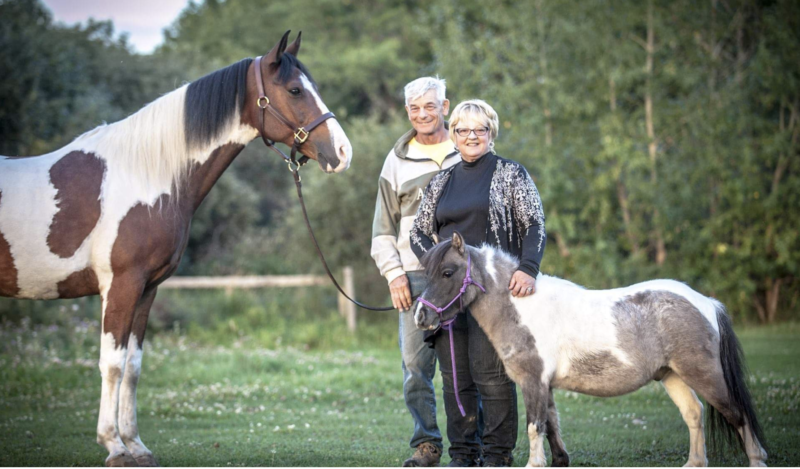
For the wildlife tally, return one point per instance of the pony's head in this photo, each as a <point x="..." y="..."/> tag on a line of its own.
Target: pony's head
<point x="449" y="266"/>
<point x="293" y="93"/>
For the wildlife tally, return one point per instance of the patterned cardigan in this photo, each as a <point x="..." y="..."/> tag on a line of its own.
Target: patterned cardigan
<point x="516" y="215"/>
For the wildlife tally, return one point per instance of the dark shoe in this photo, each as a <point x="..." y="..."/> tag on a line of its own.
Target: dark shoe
<point x="497" y="462"/>
<point x="426" y="455"/>
<point x="461" y="462"/>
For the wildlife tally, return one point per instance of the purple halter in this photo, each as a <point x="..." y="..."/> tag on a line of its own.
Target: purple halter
<point x="448" y="325"/>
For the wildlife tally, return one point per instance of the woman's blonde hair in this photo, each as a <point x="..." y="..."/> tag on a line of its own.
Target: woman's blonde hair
<point x="478" y="110"/>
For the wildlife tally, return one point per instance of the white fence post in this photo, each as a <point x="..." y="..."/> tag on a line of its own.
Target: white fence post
<point x="346" y="307"/>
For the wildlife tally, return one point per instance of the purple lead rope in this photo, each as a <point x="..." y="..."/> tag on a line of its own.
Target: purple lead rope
<point x="448" y="325"/>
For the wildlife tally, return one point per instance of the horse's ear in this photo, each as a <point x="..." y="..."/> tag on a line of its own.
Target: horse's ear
<point x="294" y="47"/>
<point x="274" y="56"/>
<point x="435" y="238"/>
<point x="458" y="242"/>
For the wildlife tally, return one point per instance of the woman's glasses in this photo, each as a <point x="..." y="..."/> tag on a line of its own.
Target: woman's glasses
<point x="479" y="132"/>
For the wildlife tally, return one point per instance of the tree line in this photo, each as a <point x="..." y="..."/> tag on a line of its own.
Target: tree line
<point x="662" y="135"/>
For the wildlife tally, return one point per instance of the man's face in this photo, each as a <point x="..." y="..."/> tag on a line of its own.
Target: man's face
<point x="427" y="114"/>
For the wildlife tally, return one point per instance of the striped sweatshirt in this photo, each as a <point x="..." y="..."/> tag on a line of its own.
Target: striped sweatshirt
<point x="405" y="175"/>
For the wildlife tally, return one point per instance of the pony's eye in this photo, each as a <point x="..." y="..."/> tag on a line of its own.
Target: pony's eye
<point x="295" y="91"/>
<point x="447" y="274"/>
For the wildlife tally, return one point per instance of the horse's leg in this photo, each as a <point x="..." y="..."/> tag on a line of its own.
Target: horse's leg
<point x="535" y="394"/>
<point x="119" y="303"/>
<point x="128" y="427"/>
<point x="557" y="449"/>
<point x="692" y="411"/>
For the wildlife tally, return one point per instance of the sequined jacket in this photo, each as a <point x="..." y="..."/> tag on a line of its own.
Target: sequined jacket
<point x="516" y="215"/>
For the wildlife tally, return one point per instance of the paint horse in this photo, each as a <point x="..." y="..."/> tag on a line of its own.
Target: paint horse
<point x="109" y="214"/>
<point x="598" y="342"/>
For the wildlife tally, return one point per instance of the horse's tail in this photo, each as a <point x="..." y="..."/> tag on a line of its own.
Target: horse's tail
<point x="740" y="401"/>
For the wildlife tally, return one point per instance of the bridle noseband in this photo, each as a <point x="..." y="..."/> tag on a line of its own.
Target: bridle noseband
<point x="300" y="132"/>
<point x="448" y="325"/>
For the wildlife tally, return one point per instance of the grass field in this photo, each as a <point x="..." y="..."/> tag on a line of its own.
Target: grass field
<point x="243" y="405"/>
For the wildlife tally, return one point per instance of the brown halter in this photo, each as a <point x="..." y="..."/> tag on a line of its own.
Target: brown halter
<point x="300" y="136"/>
<point x="300" y="132"/>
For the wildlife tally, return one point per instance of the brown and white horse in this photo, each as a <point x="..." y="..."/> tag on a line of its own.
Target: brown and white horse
<point x="109" y="214"/>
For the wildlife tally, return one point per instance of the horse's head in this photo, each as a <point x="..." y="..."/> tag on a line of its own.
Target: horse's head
<point x="292" y="93"/>
<point x="449" y="266"/>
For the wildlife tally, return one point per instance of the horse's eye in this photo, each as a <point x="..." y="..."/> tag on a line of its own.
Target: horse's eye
<point x="295" y="91"/>
<point x="447" y="274"/>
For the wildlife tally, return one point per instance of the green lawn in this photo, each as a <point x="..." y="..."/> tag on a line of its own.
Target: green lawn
<point x="244" y="405"/>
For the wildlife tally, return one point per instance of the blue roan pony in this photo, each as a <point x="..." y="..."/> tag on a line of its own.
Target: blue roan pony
<point x="599" y="342"/>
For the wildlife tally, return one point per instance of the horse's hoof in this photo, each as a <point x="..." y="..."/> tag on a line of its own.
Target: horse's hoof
<point x="147" y="460"/>
<point x="121" y="460"/>
<point x="561" y="461"/>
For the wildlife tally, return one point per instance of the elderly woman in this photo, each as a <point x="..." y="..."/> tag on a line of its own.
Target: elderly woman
<point x="488" y="199"/>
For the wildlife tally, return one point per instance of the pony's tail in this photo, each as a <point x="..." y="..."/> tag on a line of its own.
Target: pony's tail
<point x="741" y="403"/>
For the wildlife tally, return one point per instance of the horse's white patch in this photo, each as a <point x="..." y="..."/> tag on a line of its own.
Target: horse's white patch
<point x="128" y="426"/>
<point x="112" y="364"/>
<point x="29" y="205"/>
<point x="339" y="141"/>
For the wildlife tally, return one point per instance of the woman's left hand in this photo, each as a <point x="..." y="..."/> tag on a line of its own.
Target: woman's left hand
<point x="522" y="284"/>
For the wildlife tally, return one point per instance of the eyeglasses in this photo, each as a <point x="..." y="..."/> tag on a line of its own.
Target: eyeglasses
<point x="479" y="132"/>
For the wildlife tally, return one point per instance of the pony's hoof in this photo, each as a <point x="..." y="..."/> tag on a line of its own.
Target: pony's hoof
<point x="561" y="461"/>
<point x="147" y="460"/>
<point x="121" y="460"/>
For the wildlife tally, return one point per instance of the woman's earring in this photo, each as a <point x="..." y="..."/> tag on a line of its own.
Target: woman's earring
<point x="491" y="148"/>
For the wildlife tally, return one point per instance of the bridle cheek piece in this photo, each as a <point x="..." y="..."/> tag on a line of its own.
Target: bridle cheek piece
<point x="448" y="325"/>
<point x="300" y="132"/>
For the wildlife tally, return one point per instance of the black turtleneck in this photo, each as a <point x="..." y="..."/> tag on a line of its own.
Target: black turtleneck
<point x="464" y="204"/>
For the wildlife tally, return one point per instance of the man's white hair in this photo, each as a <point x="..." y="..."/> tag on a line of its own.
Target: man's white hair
<point x="420" y="86"/>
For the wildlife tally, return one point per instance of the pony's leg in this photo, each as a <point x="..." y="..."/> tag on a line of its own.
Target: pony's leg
<point x="118" y="308"/>
<point x="128" y="426"/>
<point x="557" y="449"/>
<point x="692" y="411"/>
<point x="710" y="384"/>
<point x="534" y="392"/>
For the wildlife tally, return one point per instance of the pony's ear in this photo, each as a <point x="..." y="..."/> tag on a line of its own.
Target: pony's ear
<point x="435" y="238"/>
<point x="458" y="242"/>
<point x="274" y="56"/>
<point x="294" y="47"/>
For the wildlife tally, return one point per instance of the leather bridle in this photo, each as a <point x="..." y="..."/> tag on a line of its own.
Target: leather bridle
<point x="300" y="136"/>
<point x="301" y="133"/>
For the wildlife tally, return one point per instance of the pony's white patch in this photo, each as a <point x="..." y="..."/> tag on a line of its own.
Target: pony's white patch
<point x="418" y="314"/>
<point x="489" y="262"/>
<point x="537" y="457"/>
<point x="339" y="141"/>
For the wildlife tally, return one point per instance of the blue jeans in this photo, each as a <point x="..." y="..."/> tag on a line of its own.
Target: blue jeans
<point x="419" y="367"/>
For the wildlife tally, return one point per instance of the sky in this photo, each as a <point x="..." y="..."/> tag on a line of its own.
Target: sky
<point x="143" y="20"/>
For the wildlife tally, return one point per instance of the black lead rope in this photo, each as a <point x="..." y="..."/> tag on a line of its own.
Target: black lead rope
<point x="298" y="184"/>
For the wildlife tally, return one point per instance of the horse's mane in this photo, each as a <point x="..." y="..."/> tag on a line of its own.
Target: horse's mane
<point x="155" y="144"/>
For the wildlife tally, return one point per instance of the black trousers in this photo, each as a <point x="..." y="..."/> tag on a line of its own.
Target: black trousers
<point x="482" y="379"/>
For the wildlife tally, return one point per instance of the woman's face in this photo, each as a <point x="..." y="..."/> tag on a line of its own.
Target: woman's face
<point x="472" y="146"/>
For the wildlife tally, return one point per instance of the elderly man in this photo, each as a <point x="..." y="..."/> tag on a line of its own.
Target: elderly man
<point x="416" y="157"/>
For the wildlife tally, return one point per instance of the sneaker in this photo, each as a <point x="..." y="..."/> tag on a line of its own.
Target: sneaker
<point x="426" y="455"/>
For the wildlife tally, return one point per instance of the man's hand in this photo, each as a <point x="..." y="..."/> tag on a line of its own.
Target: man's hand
<point x="522" y="284"/>
<point x="401" y="293"/>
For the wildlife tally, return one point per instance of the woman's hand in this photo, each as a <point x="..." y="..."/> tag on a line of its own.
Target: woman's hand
<point x="522" y="284"/>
